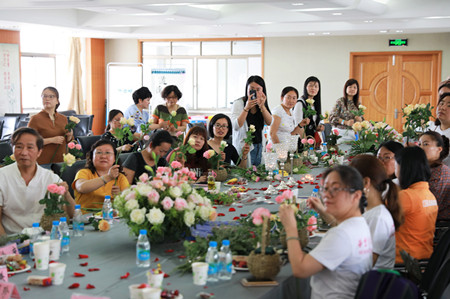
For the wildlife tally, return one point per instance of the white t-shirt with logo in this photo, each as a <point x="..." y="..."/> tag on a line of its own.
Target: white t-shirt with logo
<point x="382" y="229"/>
<point x="346" y="253"/>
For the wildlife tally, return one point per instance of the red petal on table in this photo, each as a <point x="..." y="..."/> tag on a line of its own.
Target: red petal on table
<point x="83" y="256"/>
<point x="90" y="286"/>
<point x="51" y="262"/>
<point x="156" y="259"/>
<point x="243" y="215"/>
<point x="263" y="189"/>
<point x="26" y="289"/>
<point x="299" y="187"/>
<point x="74" y="285"/>
<point x="267" y="197"/>
<point x="125" y="276"/>
<point x="214" y="207"/>
<point x="168" y="250"/>
<point x="76" y="274"/>
<point x="273" y="181"/>
<point x="93" y="269"/>
<point x="29" y="271"/>
<point x="181" y="256"/>
<point x="168" y="283"/>
<point x="231" y="210"/>
<point x="221" y="214"/>
<point x="11" y="274"/>
<point x="166" y="275"/>
<point x="205" y="287"/>
<point x="240" y="207"/>
<point x="236" y="218"/>
<point x="256" y="192"/>
<point x="142" y="286"/>
<point x="83" y="264"/>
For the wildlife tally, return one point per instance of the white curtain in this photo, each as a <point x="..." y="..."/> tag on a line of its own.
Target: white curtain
<point x="76" y="95"/>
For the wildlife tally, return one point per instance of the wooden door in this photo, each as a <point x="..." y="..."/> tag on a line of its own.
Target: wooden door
<point x="390" y="80"/>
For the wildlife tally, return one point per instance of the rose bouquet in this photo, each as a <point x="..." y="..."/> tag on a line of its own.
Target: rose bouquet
<point x="75" y="149"/>
<point x="333" y="137"/>
<point x="54" y="199"/>
<point x="72" y="123"/>
<point x="167" y="206"/>
<point x="417" y="118"/>
<point x="213" y="157"/>
<point x="366" y="138"/>
<point x="360" y="111"/>
<point x="249" y="135"/>
<point x="309" y="110"/>
<point x="385" y="132"/>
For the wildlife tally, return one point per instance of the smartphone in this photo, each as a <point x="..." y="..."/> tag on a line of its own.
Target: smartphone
<point x="253" y="94"/>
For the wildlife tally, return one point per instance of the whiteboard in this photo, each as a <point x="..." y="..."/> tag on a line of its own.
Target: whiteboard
<point x="122" y="80"/>
<point x="10" y="79"/>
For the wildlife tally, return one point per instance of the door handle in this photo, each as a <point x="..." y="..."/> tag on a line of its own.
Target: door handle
<point x="396" y="113"/>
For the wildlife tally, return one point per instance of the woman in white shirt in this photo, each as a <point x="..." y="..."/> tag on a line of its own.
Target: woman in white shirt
<point x="345" y="253"/>
<point x="283" y="121"/>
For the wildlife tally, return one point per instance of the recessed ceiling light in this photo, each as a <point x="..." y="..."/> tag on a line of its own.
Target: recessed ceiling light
<point x="337" y="13"/>
<point x="437" y="17"/>
<point x="168" y="4"/>
<point x="311" y="33"/>
<point x="298" y="4"/>
<point x="264" y="23"/>
<point x="368" y="21"/>
<point x="383" y="31"/>
<point x="325" y="33"/>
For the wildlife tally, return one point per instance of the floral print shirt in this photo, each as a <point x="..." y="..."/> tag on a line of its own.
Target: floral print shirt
<point x="340" y="112"/>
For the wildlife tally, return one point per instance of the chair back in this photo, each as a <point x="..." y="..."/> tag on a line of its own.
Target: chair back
<point x="22" y="117"/>
<point x="5" y="150"/>
<point x="69" y="173"/>
<point x="68" y="112"/>
<point x="86" y="143"/>
<point x="82" y="128"/>
<point x="22" y="123"/>
<point x="441" y="281"/>
<point x="9" y="126"/>
<point x="437" y="259"/>
<point x="123" y="157"/>
<point x="385" y="284"/>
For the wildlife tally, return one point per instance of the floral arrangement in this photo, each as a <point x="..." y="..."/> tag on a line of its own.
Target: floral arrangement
<point x="167" y="206"/>
<point x="360" y="111"/>
<point x="309" y="110"/>
<point x="254" y="173"/>
<point x="183" y="149"/>
<point x="72" y="123"/>
<point x="332" y="160"/>
<point x="385" y="132"/>
<point x="9" y="160"/>
<point x="249" y="135"/>
<point x="124" y="132"/>
<point x="417" y="118"/>
<point x="213" y="157"/>
<point x="333" y="137"/>
<point x="75" y="149"/>
<point x="366" y="138"/>
<point x="54" y="199"/>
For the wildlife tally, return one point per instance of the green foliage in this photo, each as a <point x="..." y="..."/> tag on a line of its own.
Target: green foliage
<point x="417" y="118"/>
<point x="251" y="174"/>
<point x="220" y="198"/>
<point x="53" y="203"/>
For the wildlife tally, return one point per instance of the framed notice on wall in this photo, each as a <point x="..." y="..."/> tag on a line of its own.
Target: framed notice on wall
<point x="9" y="79"/>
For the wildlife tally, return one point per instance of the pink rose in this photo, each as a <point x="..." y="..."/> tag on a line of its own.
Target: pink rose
<point x="206" y="155"/>
<point x="52" y="188"/>
<point x="336" y="132"/>
<point x="179" y="133"/>
<point x="143" y="177"/>
<point x="71" y="145"/>
<point x="153" y="197"/>
<point x="78" y="146"/>
<point x="269" y="147"/>
<point x="61" y="190"/>
<point x="257" y="179"/>
<point x="258" y="214"/>
<point x="304" y="141"/>
<point x="180" y="204"/>
<point x="157" y="184"/>
<point x="254" y="168"/>
<point x="176" y="164"/>
<point x="131" y="195"/>
<point x="288" y="194"/>
<point x="312" y="224"/>
<point x="146" y="137"/>
<point x="192" y="175"/>
<point x="279" y="199"/>
<point x="165" y="180"/>
<point x="311" y="141"/>
<point x="167" y="203"/>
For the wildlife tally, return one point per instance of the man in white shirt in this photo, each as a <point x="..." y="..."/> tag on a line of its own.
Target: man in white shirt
<point x="24" y="183"/>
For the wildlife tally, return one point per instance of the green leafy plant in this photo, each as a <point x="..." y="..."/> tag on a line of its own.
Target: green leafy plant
<point x="54" y="200"/>
<point x="309" y="111"/>
<point x="254" y="173"/>
<point x="366" y="139"/>
<point x="220" y="198"/>
<point x="417" y="118"/>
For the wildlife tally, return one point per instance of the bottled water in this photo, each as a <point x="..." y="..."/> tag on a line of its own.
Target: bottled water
<point x="315" y="193"/>
<point x="324" y="148"/>
<point x="143" y="250"/>
<point x="212" y="258"/>
<point x="65" y="234"/>
<point x="107" y="210"/>
<point x="78" y="223"/>
<point x="54" y="233"/>
<point x="225" y="259"/>
<point x="35" y="233"/>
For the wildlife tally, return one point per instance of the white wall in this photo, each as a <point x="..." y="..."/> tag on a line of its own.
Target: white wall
<point x="290" y="60"/>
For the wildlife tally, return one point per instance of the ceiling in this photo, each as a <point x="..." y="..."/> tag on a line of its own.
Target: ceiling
<point x="219" y="18"/>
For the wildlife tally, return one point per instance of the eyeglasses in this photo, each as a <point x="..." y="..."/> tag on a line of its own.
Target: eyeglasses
<point x="334" y="191"/>
<point x="103" y="153"/>
<point x="290" y="97"/>
<point x="385" y="158"/>
<point x="50" y="96"/>
<point x="219" y="126"/>
<point x="172" y="98"/>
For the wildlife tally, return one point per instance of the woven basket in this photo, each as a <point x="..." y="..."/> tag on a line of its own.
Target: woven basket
<point x="264" y="266"/>
<point x="222" y="174"/>
<point x="296" y="161"/>
<point x="47" y="220"/>
<point x="302" y="234"/>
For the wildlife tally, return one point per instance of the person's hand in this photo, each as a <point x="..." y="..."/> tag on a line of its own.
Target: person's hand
<point x="113" y="172"/>
<point x="261" y="99"/>
<point x="320" y="128"/>
<point x="164" y="125"/>
<point x="58" y="139"/>
<point x="250" y="103"/>
<point x="64" y="184"/>
<point x="245" y="149"/>
<point x="316" y="204"/>
<point x="222" y="156"/>
<point x="69" y="135"/>
<point x="287" y="217"/>
<point x="358" y="118"/>
<point x="305" y="122"/>
<point x="202" y="179"/>
<point x="115" y="190"/>
<point x="172" y="129"/>
<point x="349" y="122"/>
<point x="126" y="147"/>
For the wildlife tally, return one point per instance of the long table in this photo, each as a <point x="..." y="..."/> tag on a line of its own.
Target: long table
<point x="114" y="253"/>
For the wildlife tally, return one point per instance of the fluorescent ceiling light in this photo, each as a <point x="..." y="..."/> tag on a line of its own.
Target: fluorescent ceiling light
<point x="437" y="17"/>
<point x="337" y="13"/>
<point x="168" y="4"/>
<point x="264" y="23"/>
<point x="298" y="4"/>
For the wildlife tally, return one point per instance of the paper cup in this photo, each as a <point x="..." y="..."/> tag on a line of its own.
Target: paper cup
<point x="200" y="273"/>
<point x="151" y="293"/>
<point x="41" y="255"/>
<point x="155" y="280"/>
<point x="55" y="249"/>
<point x="136" y="292"/>
<point x="56" y="271"/>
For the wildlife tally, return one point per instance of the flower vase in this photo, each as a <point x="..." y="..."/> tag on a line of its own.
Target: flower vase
<point x="303" y="235"/>
<point x="47" y="220"/>
<point x="221" y="174"/>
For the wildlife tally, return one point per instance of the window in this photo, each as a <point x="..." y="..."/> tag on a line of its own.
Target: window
<point x="211" y="74"/>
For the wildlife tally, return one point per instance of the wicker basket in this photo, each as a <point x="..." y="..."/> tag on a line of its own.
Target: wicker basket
<point x="296" y="161"/>
<point x="302" y="234"/>
<point x="47" y="220"/>
<point x="221" y="174"/>
<point x="264" y="266"/>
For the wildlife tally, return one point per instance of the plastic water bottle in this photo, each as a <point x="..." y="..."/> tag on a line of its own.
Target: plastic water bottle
<point x="212" y="258"/>
<point x="143" y="250"/>
<point x="78" y="223"/>
<point x="324" y="148"/>
<point x="311" y="151"/>
<point x="107" y="210"/>
<point x="314" y="193"/>
<point x="55" y="233"/>
<point x="226" y="259"/>
<point x="65" y="234"/>
<point x="35" y="233"/>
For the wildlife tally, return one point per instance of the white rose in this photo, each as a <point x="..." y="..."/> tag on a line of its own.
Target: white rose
<point x="143" y="189"/>
<point x="138" y="216"/>
<point x="204" y="212"/>
<point x="175" y="192"/>
<point x="191" y="141"/>
<point x="223" y="143"/>
<point x="69" y="159"/>
<point x="74" y="119"/>
<point x="173" y="113"/>
<point x="365" y="124"/>
<point x="118" y="202"/>
<point x="190" y="206"/>
<point x="186" y="188"/>
<point x="310" y="101"/>
<point x="407" y="110"/>
<point x="155" y="216"/>
<point x="132" y="204"/>
<point x="189" y="218"/>
<point x="252" y="128"/>
<point x="123" y="121"/>
<point x="357" y="127"/>
<point x="362" y="107"/>
<point x="423" y="106"/>
<point x="130" y="121"/>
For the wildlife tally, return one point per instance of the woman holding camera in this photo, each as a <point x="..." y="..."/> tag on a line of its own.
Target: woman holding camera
<point x="251" y="109"/>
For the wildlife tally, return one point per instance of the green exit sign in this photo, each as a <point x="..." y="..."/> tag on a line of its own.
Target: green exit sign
<point x="400" y="42"/>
